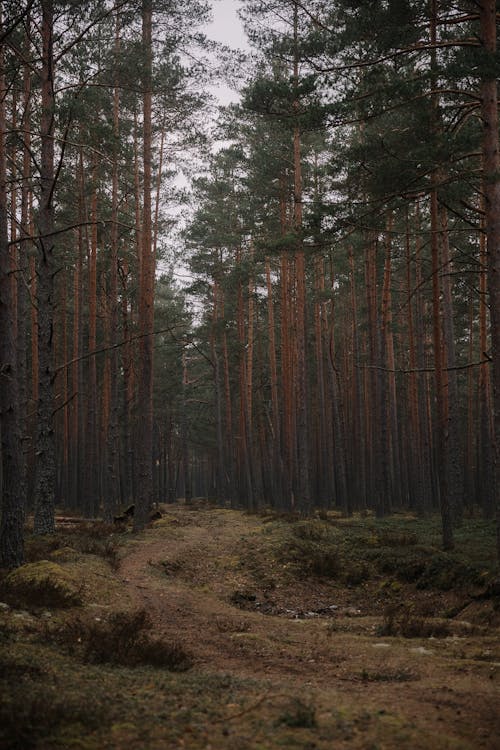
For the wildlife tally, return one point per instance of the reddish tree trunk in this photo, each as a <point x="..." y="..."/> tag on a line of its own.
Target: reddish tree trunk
<point x="491" y="167"/>
<point x="144" y="499"/>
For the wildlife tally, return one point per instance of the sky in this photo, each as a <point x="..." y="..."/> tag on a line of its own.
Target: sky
<point x="226" y="28"/>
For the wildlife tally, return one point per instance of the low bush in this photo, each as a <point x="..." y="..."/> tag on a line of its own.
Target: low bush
<point x="88" y="538"/>
<point x="403" y="621"/>
<point x="40" y="547"/>
<point x="396" y="538"/>
<point x="299" y="715"/>
<point x="389" y="675"/>
<point x="123" y="639"/>
<point x="354" y="574"/>
<point x="311" y="547"/>
<point x="311" y="558"/>
<point x="31" y="711"/>
<point x="95" y="539"/>
<point x="407" y="565"/>
<point x="444" y="572"/>
<point x="313" y="530"/>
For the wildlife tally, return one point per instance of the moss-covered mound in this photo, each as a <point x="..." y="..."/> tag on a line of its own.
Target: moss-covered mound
<point x="44" y="584"/>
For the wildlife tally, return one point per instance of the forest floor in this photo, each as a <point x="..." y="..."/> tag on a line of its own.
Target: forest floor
<point x="261" y="632"/>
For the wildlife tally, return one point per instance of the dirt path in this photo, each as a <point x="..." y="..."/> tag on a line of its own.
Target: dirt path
<point x="188" y="573"/>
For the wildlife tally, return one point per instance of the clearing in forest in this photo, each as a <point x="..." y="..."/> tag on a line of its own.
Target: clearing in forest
<point x="218" y="629"/>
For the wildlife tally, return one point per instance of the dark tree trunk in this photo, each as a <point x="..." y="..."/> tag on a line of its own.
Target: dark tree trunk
<point x="11" y="524"/>
<point x="45" y="444"/>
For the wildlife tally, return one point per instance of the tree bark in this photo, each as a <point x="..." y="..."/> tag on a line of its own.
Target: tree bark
<point x="144" y="499"/>
<point x="111" y="497"/>
<point x="302" y="434"/>
<point x="45" y="445"/>
<point x="11" y="523"/>
<point x="491" y="171"/>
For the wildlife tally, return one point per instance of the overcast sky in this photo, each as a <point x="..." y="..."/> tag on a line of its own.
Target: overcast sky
<point x="226" y="28"/>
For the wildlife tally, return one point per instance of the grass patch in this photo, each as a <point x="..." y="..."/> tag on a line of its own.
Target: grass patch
<point x="51" y="700"/>
<point x="30" y="713"/>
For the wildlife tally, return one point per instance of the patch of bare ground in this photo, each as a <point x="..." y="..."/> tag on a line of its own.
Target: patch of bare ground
<point x="211" y="578"/>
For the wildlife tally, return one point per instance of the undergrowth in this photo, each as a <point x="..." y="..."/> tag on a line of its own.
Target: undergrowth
<point x="355" y="550"/>
<point x="299" y="715"/>
<point x="401" y="620"/>
<point x="123" y="638"/>
<point x="88" y="538"/>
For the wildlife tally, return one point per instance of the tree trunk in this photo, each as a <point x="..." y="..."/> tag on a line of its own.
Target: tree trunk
<point x="45" y="445"/>
<point x="358" y="437"/>
<point x="11" y="523"/>
<point x="214" y="350"/>
<point x="486" y="481"/>
<point x="186" y="466"/>
<point x="302" y="433"/>
<point x="442" y="448"/>
<point x="111" y="497"/>
<point x="91" y="482"/>
<point x="144" y="499"/>
<point x="491" y="169"/>
<point x="441" y="417"/>
<point x="455" y="449"/>
<point x="276" y="462"/>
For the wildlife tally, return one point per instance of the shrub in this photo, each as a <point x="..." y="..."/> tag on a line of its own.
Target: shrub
<point x="40" y="547"/>
<point x="312" y="530"/>
<point x="408" y="565"/>
<point x="123" y="639"/>
<point x="395" y="538"/>
<point x="312" y="549"/>
<point x="95" y="539"/>
<point x="403" y="621"/>
<point x="355" y="574"/>
<point x="443" y="572"/>
<point x="299" y="715"/>
<point x="314" y="558"/>
<point x="389" y="675"/>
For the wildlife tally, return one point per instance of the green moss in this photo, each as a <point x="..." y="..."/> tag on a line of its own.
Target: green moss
<point x="64" y="553"/>
<point x="42" y="583"/>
